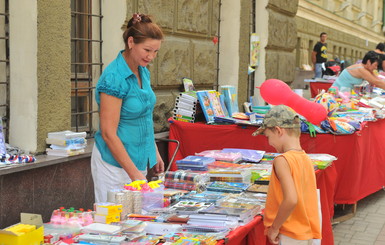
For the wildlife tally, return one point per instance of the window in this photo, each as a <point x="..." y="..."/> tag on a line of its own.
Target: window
<point x="4" y="66"/>
<point x="86" y="61"/>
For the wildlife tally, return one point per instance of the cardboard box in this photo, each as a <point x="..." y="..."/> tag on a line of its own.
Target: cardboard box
<point x="27" y="235"/>
<point x="106" y="219"/>
<point x="107" y="208"/>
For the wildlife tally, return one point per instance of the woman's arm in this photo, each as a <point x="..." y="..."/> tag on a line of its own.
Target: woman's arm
<point x="290" y="198"/>
<point x="371" y="78"/>
<point x="110" y="107"/>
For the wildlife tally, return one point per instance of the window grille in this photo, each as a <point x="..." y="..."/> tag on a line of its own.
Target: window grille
<point x="86" y="61"/>
<point x="4" y="67"/>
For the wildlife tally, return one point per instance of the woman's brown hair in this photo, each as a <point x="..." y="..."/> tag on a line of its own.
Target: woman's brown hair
<point x="140" y="27"/>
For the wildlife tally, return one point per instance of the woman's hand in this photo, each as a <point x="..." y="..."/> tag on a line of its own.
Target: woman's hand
<point x="159" y="167"/>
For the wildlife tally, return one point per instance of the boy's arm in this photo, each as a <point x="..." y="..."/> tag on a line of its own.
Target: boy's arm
<point x="282" y="170"/>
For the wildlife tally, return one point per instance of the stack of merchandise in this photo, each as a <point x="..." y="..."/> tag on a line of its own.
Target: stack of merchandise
<point x="66" y="143"/>
<point x="230" y="175"/>
<point x="185" y="107"/>
<point x="186" y="180"/>
<point x="233" y="157"/>
<point x="195" y="163"/>
<point x="107" y="213"/>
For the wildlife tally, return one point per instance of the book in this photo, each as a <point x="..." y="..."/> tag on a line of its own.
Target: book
<point x="188" y="84"/>
<point x="63" y="153"/>
<point x="241" y="213"/>
<point x="215" y="103"/>
<point x="185" y="105"/>
<point x="190" y="207"/>
<point x="63" y="135"/>
<point x="184" y="117"/>
<point x="230" y="187"/>
<point x="230" y="99"/>
<point x="195" y="161"/>
<point x="184" y="112"/>
<point x="65" y="142"/>
<point x="185" y="100"/>
<point x="204" y="101"/>
<point x="68" y="147"/>
<point x="191" y="96"/>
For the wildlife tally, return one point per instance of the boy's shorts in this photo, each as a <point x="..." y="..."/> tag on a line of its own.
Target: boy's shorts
<point x="285" y="240"/>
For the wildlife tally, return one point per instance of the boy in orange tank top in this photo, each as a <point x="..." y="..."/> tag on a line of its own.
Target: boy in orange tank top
<point x="291" y="215"/>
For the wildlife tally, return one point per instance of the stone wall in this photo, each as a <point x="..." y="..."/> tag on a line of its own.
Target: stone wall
<point x="187" y="51"/>
<point x="282" y="40"/>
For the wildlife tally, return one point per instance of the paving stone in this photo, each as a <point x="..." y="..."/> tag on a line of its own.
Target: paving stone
<point x="367" y="226"/>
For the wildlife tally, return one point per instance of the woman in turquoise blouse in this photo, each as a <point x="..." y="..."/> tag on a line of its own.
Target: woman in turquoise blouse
<point x="356" y="74"/>
<point x="125" y="144"/>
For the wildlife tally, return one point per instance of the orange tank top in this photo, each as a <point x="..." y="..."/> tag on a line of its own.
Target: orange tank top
<point x="304" y="222"/>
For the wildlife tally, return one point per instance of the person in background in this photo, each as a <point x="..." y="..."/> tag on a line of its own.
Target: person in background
<point x="292" y="214"/>
<point x="125" y="144"/>
<point x="357" y="73"/>
<point x="380" y="50"/>
<point x="319" y="55"/>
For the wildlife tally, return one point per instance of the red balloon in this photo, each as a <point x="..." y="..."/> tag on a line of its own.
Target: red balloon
<point x="276" y="92"/>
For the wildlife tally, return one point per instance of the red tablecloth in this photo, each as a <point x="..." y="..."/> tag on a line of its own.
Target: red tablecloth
<point x="253" y="232"/>
<point x="316" y="87"/>
<point x="199" y="137"/>
<point x="361" y="156"/>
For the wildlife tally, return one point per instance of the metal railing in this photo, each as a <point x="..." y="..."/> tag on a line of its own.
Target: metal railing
<point x="84" y="43"/>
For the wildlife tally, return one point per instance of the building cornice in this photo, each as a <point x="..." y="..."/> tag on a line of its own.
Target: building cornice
<point x="317" y="14"/>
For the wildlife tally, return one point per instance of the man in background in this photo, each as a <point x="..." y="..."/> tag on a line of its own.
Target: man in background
<point x="319" y="55"/>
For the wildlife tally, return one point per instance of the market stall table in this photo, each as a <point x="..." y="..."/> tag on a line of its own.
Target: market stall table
<point x="316" y="86"/>
<point x="198" y="137"/>
<point x="361" y="156"/>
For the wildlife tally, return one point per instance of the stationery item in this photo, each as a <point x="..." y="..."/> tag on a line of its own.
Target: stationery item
<point x="65" y="142"/>
<point x="63" y="135"/>
<point x="188" y="84"/>
<point x="204" y="101"/>
<point x="247" y="155"/>
<point x="195" y="161"/>
<point x="230" y="98"/>
<point x="101" y="228"/>
<point x="2" y="139"/>
<point x="189" y="207"/>
<point x="221" y="156"/>
<point x="186" y="176"/>
<point x="227" y="187"/>
<point x="189" y="96"/>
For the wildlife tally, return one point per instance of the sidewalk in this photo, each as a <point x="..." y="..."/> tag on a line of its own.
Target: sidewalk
<point x="367" y="227"/>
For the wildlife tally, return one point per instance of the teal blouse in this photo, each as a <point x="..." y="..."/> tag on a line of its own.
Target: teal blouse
<point x="135" y="128"/>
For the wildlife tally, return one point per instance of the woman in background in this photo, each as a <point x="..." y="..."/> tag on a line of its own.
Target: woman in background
<point x="356" y="74"/>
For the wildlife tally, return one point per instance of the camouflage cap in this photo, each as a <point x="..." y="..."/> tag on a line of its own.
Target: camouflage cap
<point x="281" y="116"/>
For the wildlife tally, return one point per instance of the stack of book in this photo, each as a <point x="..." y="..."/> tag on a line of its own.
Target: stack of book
<point x="185" y="107"/>
<point x="66" y="143"/>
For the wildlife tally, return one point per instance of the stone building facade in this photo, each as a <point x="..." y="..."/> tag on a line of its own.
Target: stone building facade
<point x="287" y="30"/>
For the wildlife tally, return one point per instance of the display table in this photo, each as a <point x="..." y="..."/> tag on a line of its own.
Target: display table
<point x="199" y="137"/>
<point x="361" y="156"/>
<point x="317" y="86"/>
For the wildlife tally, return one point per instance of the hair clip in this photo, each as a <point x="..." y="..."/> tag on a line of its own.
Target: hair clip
<point x="136" y="18"/>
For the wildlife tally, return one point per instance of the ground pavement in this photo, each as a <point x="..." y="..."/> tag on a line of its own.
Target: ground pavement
<point x="367" y="227"/>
